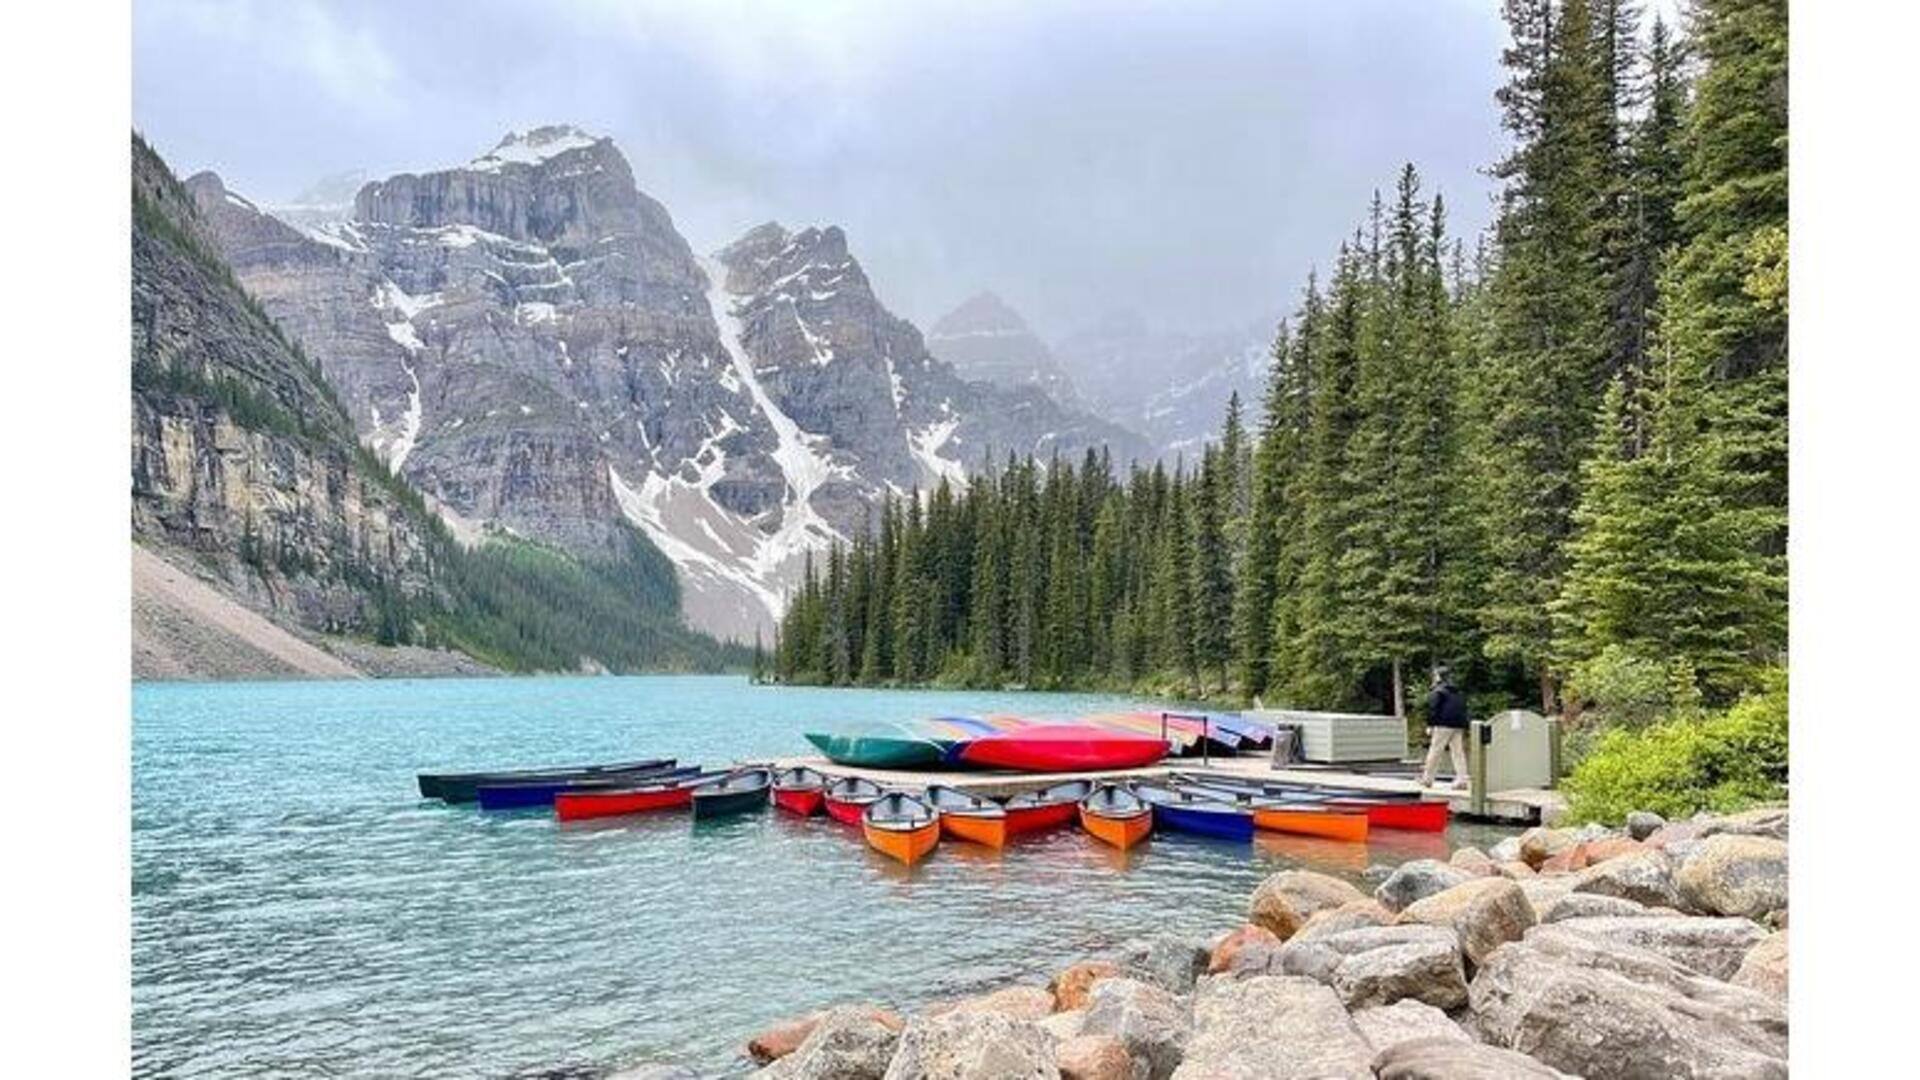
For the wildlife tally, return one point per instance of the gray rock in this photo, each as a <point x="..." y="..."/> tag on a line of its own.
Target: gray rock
<point x="1586" y="905"/>
<point x="1709" y="946"/>
<point x="973" y="1046"/>
<point x="1644" y="877"/>
<point x="1165" y="960"/>
<point x="1064" y="1025"/>
<point x="1274" y="1028"/>
<point x="1764" y="968"/>
<point x="1382" y="965"/>
<point x="1287" y="899"/>
<point x="1353" y="915"/>
<point x="1643" y="823"/>
<point x="1734" y="874"/>
<point x="1767" y="821"/>
<point x="1385" y="1026"/>
<point x="1152" y="1023"/>
<point x="1507" y="850"/>
<point x="1418" y="880"/>
<point x="1450" y="1059"/>
<point x="1483" y="913"/>
<point x="1609" y="1011"/>
<point x="849" y="1043"/>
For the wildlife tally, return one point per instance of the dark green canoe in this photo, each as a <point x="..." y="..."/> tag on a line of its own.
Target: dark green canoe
<point x="880" y="749"/>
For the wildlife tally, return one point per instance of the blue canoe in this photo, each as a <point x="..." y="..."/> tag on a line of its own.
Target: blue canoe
<point x="1191" y="812"/>
<point x="535" y="793"/>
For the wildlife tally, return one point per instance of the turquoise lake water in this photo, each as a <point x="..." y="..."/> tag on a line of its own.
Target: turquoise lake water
<point x="298" y="910"/>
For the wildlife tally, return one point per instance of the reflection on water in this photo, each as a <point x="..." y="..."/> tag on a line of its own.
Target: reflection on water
<point x="298" y="910"/>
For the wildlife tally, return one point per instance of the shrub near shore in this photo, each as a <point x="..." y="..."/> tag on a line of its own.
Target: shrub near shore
<point x="1655" y="949"/>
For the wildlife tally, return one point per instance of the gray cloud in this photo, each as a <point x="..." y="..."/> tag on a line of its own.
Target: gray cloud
<point x="1187" y="161"/>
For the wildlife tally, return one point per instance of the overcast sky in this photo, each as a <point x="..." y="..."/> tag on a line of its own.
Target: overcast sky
<point x="1187" y="161"/>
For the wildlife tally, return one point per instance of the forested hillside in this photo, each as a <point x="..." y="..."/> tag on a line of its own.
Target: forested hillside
<point x="1553" y="457"/>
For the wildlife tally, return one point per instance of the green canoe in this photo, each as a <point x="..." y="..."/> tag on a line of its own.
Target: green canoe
<point x="880" y="750"/>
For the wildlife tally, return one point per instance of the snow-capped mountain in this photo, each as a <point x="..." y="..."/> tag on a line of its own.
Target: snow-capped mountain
<point x="1172" y="384"/>
<point x="985" y="339"/>
<point x="533" y="344"/>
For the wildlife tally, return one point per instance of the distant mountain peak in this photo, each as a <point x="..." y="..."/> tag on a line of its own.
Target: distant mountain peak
<point x="982" y="313"/>
<point x="535" y="146"/>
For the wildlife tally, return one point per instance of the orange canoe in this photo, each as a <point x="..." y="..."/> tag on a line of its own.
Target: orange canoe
<point x="965" y="816"/>
<point x="1312" y="821"/>
<point x="1116" y="816"/>
<point x="901" y="827"/>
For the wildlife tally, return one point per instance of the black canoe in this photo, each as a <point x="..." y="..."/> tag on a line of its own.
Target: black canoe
<point x="734" y="793"/>
<point x="465" y="787"/>
<point x="527" y="793"/>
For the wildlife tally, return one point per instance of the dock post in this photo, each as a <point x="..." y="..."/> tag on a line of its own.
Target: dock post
<point x="1477" y="735"/>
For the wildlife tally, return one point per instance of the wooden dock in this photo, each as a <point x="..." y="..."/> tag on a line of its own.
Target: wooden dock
<point x="1524" y="806"/>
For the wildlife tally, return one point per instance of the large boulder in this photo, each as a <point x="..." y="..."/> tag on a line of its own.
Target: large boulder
<point x="1071" y="986"/>
<point x="1542" y="892"/>
<point x="1506" y="850"/>
<point x="1013" y="1002"/>
<point x="1273" y="1028"/>
<point x="1735" y="874"/>
<point x="972" y="1046"/>
<point x="1610" y="1011"/>
<point x="1289" y="898"/>
<point x="1449" y="1059"/>
<point x="1165" y="960"/>
<point x="1151" y="1022"/>
<point x="1093" y="1057"/>
<point x="1612" y="847"/>
<point x="1064" y="1025"/>
<point x="1767" y="821"/>
<point x="1352" y="915"/>
<point x="1539" y="844"/>
<point x="1644" y="878"/>
<point x="1709" y="946"/>
<point x="1384" y="964"/>
<point x="1764" y="968"/>
<point x="1223" y="953"/>
<point x="1472" y="860"/>
<point x="1417" y="880"/>
<point x="783" y="1038"/>
<point x="1588" y="905"/>
<point x="1643" y="823"/>
<point x="847" y="1043"/>
<point x="1385" y="1026"/>
<point x="1483" y="913"/>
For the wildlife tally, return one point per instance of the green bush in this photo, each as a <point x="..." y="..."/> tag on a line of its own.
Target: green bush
<point x="1718" y="761"/>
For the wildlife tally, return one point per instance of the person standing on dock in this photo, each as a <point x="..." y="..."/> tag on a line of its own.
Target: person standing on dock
<point x="1446" y="729"/>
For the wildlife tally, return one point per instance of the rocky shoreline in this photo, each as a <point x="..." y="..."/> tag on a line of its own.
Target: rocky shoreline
<point x="1655" y="949"/>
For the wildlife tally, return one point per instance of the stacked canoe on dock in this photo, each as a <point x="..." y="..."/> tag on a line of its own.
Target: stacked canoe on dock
<point x="1101" y="741"/>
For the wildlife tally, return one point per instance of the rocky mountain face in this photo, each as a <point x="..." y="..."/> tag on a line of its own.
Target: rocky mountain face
<point x="243" y="462"/>
<point x="985" y="339"/>
<point x="533" y="345"/>
<point x="1173" y="384"/>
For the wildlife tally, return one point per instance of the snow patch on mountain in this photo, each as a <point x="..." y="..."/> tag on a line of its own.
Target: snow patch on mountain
<point x="533" y="147"/>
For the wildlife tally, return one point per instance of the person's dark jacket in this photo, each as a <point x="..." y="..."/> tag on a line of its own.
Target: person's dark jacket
<point x="1447" y="707"/>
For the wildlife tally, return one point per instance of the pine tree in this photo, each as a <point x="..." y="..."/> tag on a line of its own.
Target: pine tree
<point x="1211" y="587"/>
<point x="1259" y="546"/>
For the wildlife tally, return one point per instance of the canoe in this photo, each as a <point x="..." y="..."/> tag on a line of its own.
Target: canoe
<point x="969" y="817"/>
<point x="901" y="827"/>
<point x="672" y="793"/>
<point x="1384" y="810"/>
<point x="881" y="750"/>
<point x="464" y="787"/>
<point x="1116" y="816"/>
<point x="847" y="798"/>
<point x="537" y="793"/>
<point x="1312" y="821"/>
<point x="1063" y="748"/>
<point x="1148" y="725"/>
<point x="1046" y="808"/>
<point x="735" y="793"/>
<point x="800" y="790"/>
<point x="1190" y="811"/>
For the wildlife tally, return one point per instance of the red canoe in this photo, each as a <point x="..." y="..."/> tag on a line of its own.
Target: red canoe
<point x="1063" y="748"/>
<point x="847" y="799"/>
<point x="1413" y="816"/>
<point x="1046" y="808"/>
<point x="580" y="805"/>
<point x="799" y="790"/>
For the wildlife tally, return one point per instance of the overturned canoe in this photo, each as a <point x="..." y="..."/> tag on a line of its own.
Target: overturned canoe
<point x="465" y="786"/>
<point x="1063" y="748"/>
<point x="670" y="793"/>
<point x="1113" y="815"/>
<point x="1046" y="808"/>
<point x="800" y="790"/>
<point x="1306" y="820"/>
<point x="529" y="794"/>
<point x="736" y="792"/>
<point x="969" y="817"/>
<point x="1190" y="811"/>
<point x="901" y="827"/>
<point x="893" y="748"/>
<point x="1408" y="810"/>
<point x="847" y="798"/>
